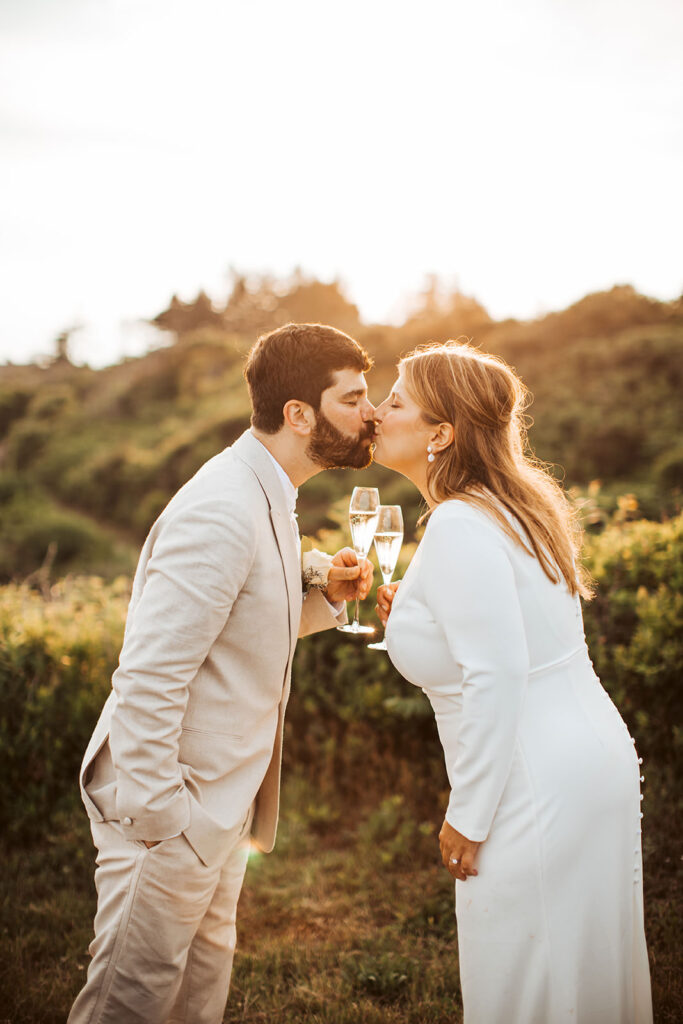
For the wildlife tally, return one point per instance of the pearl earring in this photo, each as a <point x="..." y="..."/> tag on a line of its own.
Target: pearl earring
<point x="430" y="456"/>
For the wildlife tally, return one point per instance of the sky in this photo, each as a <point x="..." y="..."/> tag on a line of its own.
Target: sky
<point x="527" y="153"/>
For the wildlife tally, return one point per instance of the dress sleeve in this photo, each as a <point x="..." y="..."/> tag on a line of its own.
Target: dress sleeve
<point x="470" y="589"/>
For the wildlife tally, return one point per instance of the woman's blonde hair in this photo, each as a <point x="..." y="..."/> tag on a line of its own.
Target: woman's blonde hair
<point x="489" y="463"/>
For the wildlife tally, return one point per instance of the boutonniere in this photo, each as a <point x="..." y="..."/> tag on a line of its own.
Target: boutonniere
<point x="315" y="566"/>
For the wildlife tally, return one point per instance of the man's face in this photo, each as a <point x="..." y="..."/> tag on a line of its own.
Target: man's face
<point x="345" y="425"/>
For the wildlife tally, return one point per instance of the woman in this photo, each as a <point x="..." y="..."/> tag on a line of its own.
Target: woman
<point x="542" y="831"/>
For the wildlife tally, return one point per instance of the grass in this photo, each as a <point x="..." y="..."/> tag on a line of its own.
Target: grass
<point x="344" y="942"/>
<point x="328" y="932"/>
<point x="341" y="925"/>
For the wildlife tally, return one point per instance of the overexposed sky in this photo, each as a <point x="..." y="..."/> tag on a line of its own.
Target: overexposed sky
<point x="529" y="151"/>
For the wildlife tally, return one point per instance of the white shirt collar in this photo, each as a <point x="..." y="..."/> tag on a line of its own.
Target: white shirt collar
<point x="290" y="491"/>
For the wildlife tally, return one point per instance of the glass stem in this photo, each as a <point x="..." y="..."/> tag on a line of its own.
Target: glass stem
<point x="356" y="622"/>
<point x="386" y="579"/>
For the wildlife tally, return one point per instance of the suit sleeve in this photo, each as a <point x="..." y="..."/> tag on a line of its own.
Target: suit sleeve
<point x="471" y="591"/>
<point x="318" y="614"/>
<point x="198" y="564"/>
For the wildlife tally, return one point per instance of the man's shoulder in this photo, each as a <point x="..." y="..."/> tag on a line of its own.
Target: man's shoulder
<point x="224" y="480"/>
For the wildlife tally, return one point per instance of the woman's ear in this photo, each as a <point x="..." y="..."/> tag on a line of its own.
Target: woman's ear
<point x="442" y="436"/>
<point x="299" y="417"/>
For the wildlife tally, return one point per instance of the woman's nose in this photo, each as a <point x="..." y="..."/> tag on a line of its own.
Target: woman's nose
<point x="369" y="411"/>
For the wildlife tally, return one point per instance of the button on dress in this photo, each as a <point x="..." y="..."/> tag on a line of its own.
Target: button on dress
<point x="542" y="771"/>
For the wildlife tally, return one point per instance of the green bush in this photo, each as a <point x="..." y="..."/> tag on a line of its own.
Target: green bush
<point x="26" y="442"/>
<point x="33" y="529"/>
<point x="355" y="729"/>
<point x="391" y="833"/>
<point x="13" y="405"/>
<point x="10" y="485"/>
<point x="358" y="728"/>
<point x="102" y="441"/>
<point x="56" y="658"/>
<point x="668" y="470"/>
<point x="52" y="402"/>
<point x="634" y="629"/>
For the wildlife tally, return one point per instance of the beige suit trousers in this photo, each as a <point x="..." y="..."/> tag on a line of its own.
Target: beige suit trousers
<point x="164" y="931"/>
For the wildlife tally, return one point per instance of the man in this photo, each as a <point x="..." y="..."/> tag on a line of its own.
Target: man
<point x="184" y="763"/>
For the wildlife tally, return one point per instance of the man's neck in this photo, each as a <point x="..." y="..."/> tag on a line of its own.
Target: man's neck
<point x="290" y="454"/>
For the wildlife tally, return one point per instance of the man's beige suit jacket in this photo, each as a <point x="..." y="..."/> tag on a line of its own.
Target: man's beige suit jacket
<point x="192" y="730"/>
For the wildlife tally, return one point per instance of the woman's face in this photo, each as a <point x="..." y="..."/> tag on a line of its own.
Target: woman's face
<point x="401" y="434"/>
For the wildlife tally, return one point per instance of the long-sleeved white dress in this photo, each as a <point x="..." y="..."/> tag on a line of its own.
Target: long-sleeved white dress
<point x="542" y="770"/>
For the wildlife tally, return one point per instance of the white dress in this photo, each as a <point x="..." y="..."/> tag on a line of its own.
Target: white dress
<point x="541" y="768"/>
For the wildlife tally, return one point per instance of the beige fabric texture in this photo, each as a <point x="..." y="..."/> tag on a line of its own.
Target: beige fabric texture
<point x="187" y="749"/>
<point x="143" y="971"/>
<point x="196" y="713"/>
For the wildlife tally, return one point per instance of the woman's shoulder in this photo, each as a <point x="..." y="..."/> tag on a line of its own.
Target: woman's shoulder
<point x="461" y="510"/>
<point x="460" y="519"/>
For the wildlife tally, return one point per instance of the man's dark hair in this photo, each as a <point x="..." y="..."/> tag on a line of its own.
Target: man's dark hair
<point x="297" y="361"/>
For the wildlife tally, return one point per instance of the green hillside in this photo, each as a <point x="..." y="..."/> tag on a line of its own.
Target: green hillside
<point x="89" y="458"/>
<point x="359" y="912"/>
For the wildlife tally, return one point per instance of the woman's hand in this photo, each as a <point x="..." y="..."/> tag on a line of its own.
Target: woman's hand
<point x="385" y="595"/>
<point x="457" y="852"/>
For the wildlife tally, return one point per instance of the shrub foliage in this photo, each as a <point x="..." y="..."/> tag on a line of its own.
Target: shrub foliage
<point x="354" y="727"/>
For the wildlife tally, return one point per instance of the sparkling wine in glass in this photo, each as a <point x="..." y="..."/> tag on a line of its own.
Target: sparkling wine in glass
<point x="388" y="541"/>
<point x="363" y="520"/>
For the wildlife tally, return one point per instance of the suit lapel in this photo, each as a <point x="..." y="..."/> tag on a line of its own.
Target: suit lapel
<point x="251" y="451"/>
<point x="286" y="542"/>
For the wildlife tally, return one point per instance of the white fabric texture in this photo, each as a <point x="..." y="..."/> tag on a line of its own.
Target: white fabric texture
<point x="542" y="770"/>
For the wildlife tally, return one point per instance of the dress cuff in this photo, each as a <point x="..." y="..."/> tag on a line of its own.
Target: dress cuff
<point x="456" y="821"/>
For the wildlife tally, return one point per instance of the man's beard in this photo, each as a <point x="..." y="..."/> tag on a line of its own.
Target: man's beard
<point x="334" y="450"/>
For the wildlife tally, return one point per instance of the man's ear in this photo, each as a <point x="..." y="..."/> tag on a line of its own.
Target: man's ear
<point x="299" y="417"/>
<point x="442" y="436"/>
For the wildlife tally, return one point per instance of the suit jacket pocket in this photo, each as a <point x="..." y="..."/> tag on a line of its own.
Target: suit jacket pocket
<point x="210" y="755"/>
<point x="99" y="784"/>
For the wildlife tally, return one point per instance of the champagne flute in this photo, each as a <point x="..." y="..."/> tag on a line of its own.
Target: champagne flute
<point x="388" y="540"/>
<point x="363" y="519"/>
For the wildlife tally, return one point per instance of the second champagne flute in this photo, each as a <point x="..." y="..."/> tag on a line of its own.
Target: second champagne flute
<point x="388" y="540"/>
<point x="363" y="520"/>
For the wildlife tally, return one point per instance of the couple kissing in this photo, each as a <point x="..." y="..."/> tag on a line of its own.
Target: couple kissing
<point x="183" y="769"/>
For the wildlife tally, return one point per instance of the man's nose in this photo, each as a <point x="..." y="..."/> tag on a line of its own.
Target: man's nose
<point x="368" y="410"/>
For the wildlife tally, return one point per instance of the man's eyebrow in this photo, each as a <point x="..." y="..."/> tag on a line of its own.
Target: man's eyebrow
<point x="356" y="393"/>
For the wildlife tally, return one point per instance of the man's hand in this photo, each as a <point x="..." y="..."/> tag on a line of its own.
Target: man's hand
<point x="347" y="579"/>
<point x="385" y="595"/>
<point x="457" y="852"/>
